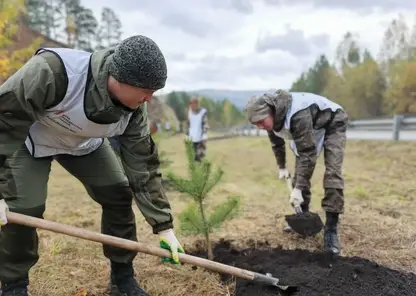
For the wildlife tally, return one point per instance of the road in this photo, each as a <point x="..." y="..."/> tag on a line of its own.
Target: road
<point x="364" y="135"/>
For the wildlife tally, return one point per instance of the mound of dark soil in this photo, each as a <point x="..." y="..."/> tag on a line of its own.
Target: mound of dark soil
<point x="315" y="274"/>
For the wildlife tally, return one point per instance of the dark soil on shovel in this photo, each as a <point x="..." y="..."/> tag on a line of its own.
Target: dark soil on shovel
<point x="315" y="274"/>
<point x="307" y="224"/>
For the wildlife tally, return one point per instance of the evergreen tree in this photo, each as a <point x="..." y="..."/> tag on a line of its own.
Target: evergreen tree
<point x="195" y="219"/>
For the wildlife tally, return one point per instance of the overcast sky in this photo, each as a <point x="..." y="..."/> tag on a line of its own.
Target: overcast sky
<point x="257" y="44"/>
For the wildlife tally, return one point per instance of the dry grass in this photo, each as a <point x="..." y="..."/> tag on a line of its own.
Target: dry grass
<point x="378" y="224"/>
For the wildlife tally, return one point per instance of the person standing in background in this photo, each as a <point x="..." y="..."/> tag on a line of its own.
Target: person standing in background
<point x="197" y="128"/>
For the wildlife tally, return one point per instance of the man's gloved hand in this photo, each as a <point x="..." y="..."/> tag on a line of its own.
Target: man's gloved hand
<point x="3" y="210"/>
<point x="296" y="200"/>
<point x="169" y="241"/>
<point x="283" y="174"/>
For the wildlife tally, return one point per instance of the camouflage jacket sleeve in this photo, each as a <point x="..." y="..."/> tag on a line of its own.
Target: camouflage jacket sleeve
<point x="279" y="149"/>
<point x="303" y="137"/>
<point x="140" y="159"/>
<point x="25" y="94"/>
<point x="205" y="126"/>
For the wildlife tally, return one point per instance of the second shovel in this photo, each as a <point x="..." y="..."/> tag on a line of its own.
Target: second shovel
<point x="306" y="223"/>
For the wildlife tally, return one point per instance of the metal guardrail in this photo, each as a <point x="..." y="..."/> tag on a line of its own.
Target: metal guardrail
<point x="399" y="127"/>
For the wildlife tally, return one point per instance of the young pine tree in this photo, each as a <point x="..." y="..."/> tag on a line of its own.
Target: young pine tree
<point x="202" y="179"/>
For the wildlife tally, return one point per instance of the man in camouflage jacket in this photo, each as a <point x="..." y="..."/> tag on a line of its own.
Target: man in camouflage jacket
<point x="62" y="105"/>
<point x="312" y="123"/>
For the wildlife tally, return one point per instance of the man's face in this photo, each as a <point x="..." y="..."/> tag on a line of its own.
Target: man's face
<point x="130" y="96"/>
<point x="266" y="124"/>
<point x="194" y="105"/>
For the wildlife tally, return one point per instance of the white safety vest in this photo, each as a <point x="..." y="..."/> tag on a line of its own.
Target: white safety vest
<point x="301" y="101"/>
<point x="65" y="129"/>
<point x="195" y="125"/>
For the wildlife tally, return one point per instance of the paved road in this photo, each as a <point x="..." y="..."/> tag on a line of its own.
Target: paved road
<point x="365" y="135"/>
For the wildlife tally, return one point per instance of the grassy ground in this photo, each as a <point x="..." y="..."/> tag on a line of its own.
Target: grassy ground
<point x="378" y="224"/>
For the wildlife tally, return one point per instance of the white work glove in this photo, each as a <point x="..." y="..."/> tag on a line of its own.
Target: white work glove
<point x="283" y="174"/>
<point x="296" y="200"/>
<point x="3" y="210"/>
<point x="169" y="241"/>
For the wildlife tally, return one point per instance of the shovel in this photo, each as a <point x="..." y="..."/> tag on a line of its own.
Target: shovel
<point x="140" y="247"/>
<point x="306" y="224"/>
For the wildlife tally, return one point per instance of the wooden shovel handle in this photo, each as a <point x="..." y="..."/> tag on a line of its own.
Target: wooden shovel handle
<point x="125" y="244"/>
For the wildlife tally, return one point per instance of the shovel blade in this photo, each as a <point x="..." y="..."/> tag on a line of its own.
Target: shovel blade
<point x="269" y="280"/>
<point x="307" y="224"/>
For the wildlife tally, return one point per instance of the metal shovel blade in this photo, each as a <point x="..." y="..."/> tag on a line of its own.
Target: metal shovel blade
<point x="306" y="224"/>
<point x="269" y="280"/>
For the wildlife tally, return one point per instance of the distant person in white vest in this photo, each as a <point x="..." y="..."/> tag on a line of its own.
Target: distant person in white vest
<point x="312" y="123"/>
<point x="197" y="127"/>
<point x="62" y="105"/>
<point x="167" y="126"/>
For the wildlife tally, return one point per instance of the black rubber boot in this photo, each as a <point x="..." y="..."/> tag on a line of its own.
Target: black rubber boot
<point x="17" y="288"/>
<point x="288" y="229"/>
<point x="122" y="282"/>
<point x="331" y="241"/>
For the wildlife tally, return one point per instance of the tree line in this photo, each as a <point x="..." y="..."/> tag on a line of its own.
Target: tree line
<point x="220" y="113"/>
<point x="11" y="58"/>
<point x="74" y="24"/>
<point x="366" y="85"/>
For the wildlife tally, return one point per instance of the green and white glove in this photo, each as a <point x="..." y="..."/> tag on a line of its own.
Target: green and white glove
<point x="3" y="211"/>
<point x="169" y="241"/>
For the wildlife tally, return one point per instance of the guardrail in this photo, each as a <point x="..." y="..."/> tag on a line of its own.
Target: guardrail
<point x="397" y="128"/>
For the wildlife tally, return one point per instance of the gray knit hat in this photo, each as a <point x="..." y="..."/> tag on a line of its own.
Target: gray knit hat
<point x="139" y="62"/>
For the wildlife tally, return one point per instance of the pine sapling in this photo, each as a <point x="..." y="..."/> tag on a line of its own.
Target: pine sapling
<point x="202" y="179"/>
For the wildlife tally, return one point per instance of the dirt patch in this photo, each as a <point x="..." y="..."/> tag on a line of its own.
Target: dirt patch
<point x="307" y="224"/>
<point x="315" y="274"/>
<point x="390" y="213"/>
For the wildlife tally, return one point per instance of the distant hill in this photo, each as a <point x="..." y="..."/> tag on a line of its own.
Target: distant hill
<point x="238" y="97"/>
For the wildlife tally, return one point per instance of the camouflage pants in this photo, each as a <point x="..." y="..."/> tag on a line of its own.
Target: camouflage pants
<point x="103" y="178"/>
<point x="333" y="183"/>
<point x="200" y="149"/>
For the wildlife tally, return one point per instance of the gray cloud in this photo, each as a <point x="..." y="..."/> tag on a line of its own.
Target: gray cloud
<point x="177" y="56"/>
<point x="187" y="23"/>
<point x="320" y="40"/>
<point x="293" y="41"/>
<point x="234" y="70"/>
<point x="200" y="19"/>
<point x="243" y="6"/>
<point x="349" y="4"/>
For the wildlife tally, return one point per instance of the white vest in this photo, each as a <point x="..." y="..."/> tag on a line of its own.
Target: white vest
<point x="302" y="101"/>
<point x="65" y="129"/>
<point x="195" y="125"/>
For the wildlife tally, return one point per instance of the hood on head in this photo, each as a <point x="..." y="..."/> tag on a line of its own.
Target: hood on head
<point x="279" y="102"/>
<point x="258" y="107"/>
